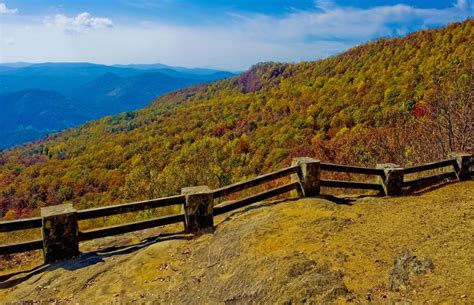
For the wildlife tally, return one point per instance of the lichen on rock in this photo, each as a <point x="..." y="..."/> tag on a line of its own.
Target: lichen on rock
<point x="405" y="264"/>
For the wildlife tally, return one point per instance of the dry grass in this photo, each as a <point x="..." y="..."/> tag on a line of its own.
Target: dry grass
<point x="309" y="250"/>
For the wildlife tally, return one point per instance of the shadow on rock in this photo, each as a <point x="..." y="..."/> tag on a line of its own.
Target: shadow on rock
<point x="336" y="200"/>
<point x="86" y="259"/>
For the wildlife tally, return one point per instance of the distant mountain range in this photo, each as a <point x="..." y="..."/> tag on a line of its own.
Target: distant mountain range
<point x="37" y="99"/>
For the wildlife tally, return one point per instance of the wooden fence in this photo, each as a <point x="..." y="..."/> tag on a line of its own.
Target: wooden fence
<point x="59" y="224"/>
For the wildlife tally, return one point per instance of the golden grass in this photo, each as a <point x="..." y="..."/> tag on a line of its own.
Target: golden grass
<point x="309" y="249"/>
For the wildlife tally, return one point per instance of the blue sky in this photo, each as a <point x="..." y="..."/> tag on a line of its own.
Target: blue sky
<point x="228" y="34"/>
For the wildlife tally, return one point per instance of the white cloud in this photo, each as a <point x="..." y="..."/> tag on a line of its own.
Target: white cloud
<point x="324" y="4"/>
<point x="461" y="4"/>
<point x="5" y="10"/>
<point x="236" y="44"/>
<point x="78" y="24"/>
<point x="333" y="22"/>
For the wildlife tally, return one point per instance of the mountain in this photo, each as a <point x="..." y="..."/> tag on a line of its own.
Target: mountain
<point x="31" y="114"/>
<point x="62" y="77"/>
<point x="97" y="90"/>
<point x="193" y="71"/>
<point x="111" y="93"/>
<point x="15" y="65"/>
<point x="199" y="76"/>
<point x="390" y="100"/>
<point x="67" y="77"/>
<point x="5" y="68"/>
<point x="18" y="64"/>
<point x="180" y="72"/>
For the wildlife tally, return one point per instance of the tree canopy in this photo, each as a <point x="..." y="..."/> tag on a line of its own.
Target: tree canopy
<point x="403" y="100"/>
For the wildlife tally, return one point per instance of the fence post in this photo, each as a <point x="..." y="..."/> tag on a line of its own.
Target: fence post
<point x="309" y="177"/>
<point x="198" y="208"/>
<point x="60" y="232"/>
<point x="393" y="182"/>
<point x="464" y="163"/>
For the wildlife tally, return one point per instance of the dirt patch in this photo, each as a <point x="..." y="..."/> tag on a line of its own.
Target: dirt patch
<point x="312" y="282"/>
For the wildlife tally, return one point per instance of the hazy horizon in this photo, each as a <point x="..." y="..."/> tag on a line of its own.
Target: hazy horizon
<point x="113" y="64"/>
<point x="228" y="35"/>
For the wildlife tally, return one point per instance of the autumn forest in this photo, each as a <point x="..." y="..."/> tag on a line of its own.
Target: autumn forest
<point x="403" y="100"/>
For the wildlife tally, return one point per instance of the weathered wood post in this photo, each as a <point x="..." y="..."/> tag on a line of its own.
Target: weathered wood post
<point x="60" y="232"/>
<point x="393" y="182"/>
<point x="198" y="208"/>
<point x="310" y="176"/>
<point x="464" y="163"/>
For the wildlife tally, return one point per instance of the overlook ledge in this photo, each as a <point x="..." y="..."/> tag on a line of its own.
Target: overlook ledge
<point x="309" y="249"/>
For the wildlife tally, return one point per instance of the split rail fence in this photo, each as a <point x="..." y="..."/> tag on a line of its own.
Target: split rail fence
<point x="61" y="235"/>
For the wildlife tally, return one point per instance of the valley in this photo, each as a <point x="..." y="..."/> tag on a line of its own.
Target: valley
<point x="81" y="92"/>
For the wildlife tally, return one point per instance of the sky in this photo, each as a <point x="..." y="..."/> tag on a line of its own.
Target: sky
<point x="225" y="34"/>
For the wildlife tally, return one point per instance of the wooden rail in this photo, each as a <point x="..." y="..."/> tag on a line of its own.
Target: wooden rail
<point x="352" y="169"/>
<point x="306" y="182"/>
<point x="129" y="207"/>
<point x="130" y="227"/>
<point x="430" y="179"/>
<point x="429" y="166"/>
<point x="256" y="198"/>
<point x="20" y="224"/>
<point x="233" y="188"/>
<point x="21" y="247"/>
<point x="352" y="185"/>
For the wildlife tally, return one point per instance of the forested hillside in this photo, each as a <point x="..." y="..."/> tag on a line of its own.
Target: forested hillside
<point x="31" y="114"/>
<point x="403" y="100"/>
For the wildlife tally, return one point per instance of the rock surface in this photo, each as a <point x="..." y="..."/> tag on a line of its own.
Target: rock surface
<point x="406" y="264"/>
<point x="307" y="251"/>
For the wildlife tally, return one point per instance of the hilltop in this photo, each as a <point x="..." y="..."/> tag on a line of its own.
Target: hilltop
<point x="310" y="250"/>
<point x="378" y="102"/>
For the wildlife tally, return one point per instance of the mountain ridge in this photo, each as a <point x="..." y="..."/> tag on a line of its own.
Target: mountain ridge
<point x="368" y="105"/>
<point x="81" y="83"/>
<point x="34" y="113"/>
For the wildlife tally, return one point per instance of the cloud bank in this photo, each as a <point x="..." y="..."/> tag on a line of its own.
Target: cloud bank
<point x="5" y="10"/>
<point x="243" y="40"/>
